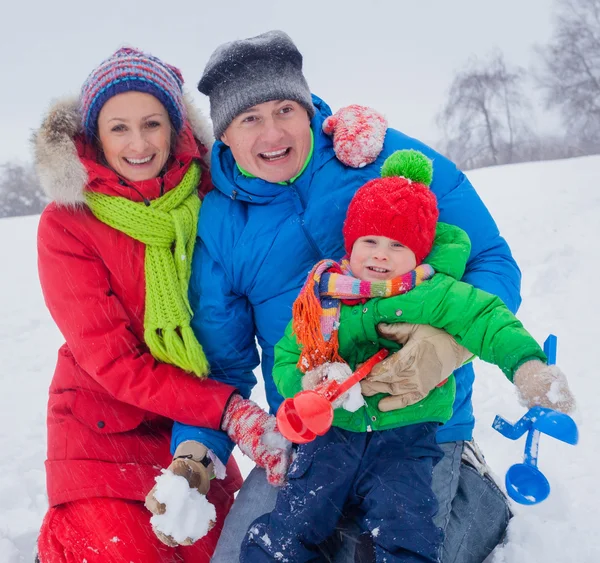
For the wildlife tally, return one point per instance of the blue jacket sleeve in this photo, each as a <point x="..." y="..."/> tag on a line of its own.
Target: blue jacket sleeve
<point x="223" y="323"/>
<point x="491" y="266"/>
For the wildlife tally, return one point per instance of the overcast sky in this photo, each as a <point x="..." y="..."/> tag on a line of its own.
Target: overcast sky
<point x="396" y="55"/>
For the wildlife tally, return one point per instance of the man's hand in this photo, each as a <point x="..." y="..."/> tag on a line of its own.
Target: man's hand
<point x="191" y="462"/>
<point x="542" y="385"/>
<point x="427" y="359"/>
<point x="256" y="434"/>
<point x="358" y="134"/>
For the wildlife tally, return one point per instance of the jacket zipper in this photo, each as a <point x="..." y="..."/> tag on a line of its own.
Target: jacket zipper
<point x="300" y="208"/>
<point x="144" y="198"/>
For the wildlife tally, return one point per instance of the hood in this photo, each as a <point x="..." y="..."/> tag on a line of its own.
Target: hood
<point x="229" y="180"/>
<point x="61" y="172"/>
<point x="450" y="252"/>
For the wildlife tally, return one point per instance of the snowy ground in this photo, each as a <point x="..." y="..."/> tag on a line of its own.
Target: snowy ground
<point x="549" y="212"/>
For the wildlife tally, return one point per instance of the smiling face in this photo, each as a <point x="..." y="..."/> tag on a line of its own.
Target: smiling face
<point x="271" y="140"/>
<point x="376" y="258"/>
<point x="135" y="135"/>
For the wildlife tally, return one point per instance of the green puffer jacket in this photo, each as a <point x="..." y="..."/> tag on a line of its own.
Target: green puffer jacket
<point x="478" y="320"/>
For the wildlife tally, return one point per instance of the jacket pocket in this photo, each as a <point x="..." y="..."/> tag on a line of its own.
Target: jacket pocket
<point x="104" y="414"/>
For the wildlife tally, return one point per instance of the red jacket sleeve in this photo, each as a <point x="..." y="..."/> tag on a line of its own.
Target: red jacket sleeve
<point x="76" y="288"/>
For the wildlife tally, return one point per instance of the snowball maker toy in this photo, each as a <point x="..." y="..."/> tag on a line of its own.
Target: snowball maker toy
<point x="310" y="413"/>
<point x="525" y="483"/>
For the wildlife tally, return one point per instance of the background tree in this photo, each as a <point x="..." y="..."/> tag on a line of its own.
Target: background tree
<point x="20" y="191"/>
<point x="486" y="118"/>
<point x="570" y="76"/>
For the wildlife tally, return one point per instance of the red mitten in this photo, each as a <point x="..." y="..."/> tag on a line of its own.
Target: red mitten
<point x="256" y="434"/>
<point x="358" y="134"/>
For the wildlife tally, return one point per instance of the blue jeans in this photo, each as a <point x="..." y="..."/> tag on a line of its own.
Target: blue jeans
<point x="474" y="509"/>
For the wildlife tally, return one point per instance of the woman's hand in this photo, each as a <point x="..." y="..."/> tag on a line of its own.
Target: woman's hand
<point x="190" y="461"/>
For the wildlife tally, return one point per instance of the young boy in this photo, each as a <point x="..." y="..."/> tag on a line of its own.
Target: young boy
<point x="379" y="462"/>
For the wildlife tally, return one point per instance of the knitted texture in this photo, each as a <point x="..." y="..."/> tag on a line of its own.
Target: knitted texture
<point x="247" y="72"/>
<point x="358" y="134"/>
<point x="539" y="384"/>
<point x="168" y="229"/>
<point x="395" y="207"/>
<point x="316" y="311"/>
<point x="130" y="70"/>
<point x="256" y="434"/>
<point x="410" y="164"/>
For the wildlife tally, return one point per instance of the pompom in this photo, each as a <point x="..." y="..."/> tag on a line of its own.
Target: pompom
<point x="410" y="164"/>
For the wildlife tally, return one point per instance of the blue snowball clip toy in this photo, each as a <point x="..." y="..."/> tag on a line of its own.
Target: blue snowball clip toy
<point x="525" y="483"/>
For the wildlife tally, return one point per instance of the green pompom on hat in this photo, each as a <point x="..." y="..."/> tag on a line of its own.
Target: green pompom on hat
<point x="410" y="164"/>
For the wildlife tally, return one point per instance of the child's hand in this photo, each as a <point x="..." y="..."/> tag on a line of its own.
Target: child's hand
<point x="358" y="134"/>
<point x="314" y="377"/>
<point x="319" y="377"/>
<point x="542" y="385"/>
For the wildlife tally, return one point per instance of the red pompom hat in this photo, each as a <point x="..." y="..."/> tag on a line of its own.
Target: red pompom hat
<point x="399" y="206"/>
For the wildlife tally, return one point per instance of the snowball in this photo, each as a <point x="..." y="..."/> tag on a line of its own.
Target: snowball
<point x="353" y="399"/>
<point x="274" y="439"/>
<point x="188" y="514"/>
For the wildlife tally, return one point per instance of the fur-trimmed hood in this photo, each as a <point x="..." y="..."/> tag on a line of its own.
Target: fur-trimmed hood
<point x="61" y="173"/>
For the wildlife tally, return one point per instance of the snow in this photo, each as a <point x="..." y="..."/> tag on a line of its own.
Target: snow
<point x="351" y="400"/>
<point x="550" y="214"/>
<point x="188" y="514"/>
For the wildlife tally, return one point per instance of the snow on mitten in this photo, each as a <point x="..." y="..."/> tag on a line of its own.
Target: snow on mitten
<point x="256" y="434"/>
<point x="320" y="376"/>
<point x="314" y="377"/>
<point x="542" y="385"/>
<point x="193" y="462"/>
<point x="358" y="134"/>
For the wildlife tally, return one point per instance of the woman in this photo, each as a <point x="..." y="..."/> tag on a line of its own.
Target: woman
<point x="123" y="166"/>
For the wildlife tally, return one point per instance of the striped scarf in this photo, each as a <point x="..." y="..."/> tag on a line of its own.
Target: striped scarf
<point x="168" y="230"/>
<point x="316" y="311"/>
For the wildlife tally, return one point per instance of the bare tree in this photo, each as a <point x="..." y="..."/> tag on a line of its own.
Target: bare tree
<point x="20" y="191"/>
<point x="486" y="117"/>
<point x="570" y="77"/>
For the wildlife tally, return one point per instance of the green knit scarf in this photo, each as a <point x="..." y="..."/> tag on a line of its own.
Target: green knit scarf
<point x="168" y="229"/>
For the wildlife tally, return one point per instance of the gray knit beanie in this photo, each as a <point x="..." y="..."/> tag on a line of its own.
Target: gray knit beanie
<point x="247" y="72"/>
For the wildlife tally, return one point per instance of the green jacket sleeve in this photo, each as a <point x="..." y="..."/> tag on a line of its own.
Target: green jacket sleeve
<point x="287" y="377"/>
<point x="478" y="320"/>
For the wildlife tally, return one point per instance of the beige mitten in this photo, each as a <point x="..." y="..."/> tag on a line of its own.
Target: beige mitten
<point x="192" y="462"/>
<point x="542" y="385"/>
<point x="428" y="357"/>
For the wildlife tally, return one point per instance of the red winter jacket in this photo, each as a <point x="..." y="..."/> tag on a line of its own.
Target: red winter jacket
<point x="111" y="403"/>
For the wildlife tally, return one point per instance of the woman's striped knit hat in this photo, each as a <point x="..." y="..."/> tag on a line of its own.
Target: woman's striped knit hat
<point x="131" y="70"/>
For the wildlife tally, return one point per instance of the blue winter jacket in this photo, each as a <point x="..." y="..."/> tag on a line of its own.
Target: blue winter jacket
<point x="259" y="240"/>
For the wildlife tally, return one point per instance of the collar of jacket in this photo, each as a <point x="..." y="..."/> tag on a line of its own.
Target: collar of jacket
<point x="228" y="179"/>
<point x="67" y="165"/>
<point x="450" y="252"/>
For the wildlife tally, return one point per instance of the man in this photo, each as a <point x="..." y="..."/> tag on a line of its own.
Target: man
<point x="278" y="207"/>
